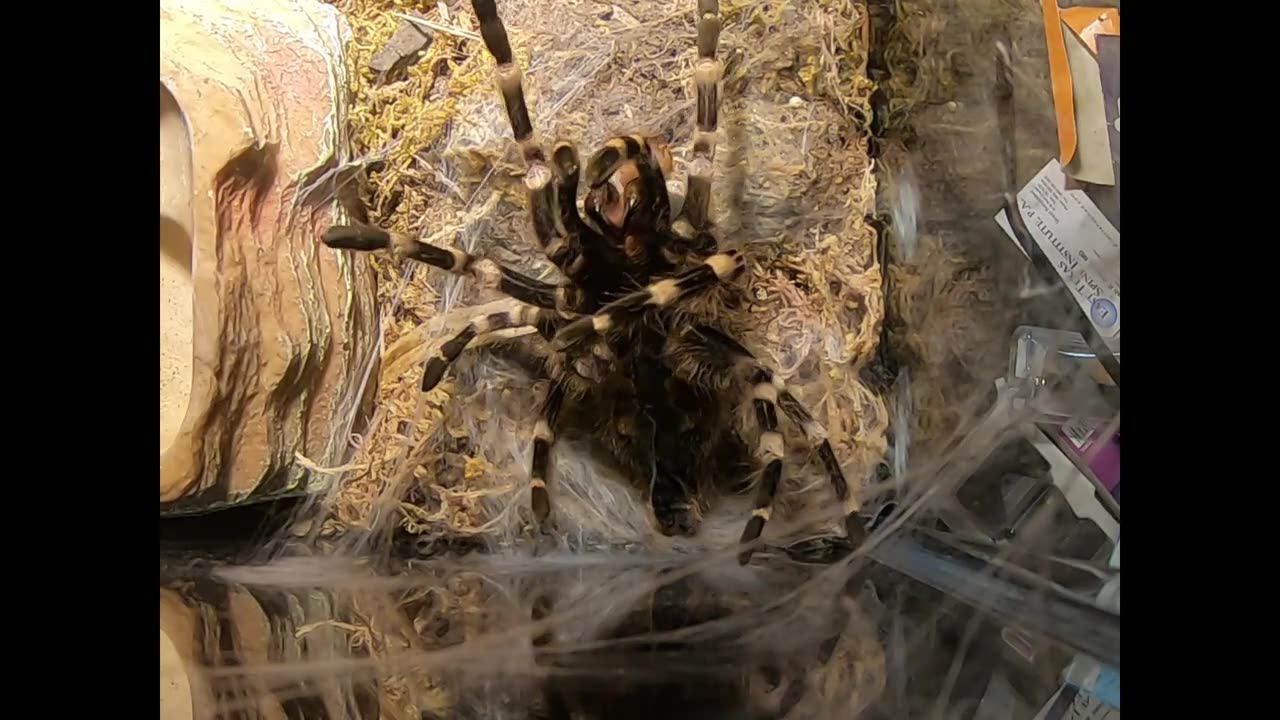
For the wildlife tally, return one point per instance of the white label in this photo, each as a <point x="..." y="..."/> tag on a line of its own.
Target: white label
<point x="1084" y="706"/>
<point x="1078" y="239"/>
<point x="1088" y="707"/>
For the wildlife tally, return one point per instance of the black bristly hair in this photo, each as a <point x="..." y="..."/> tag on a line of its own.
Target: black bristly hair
<point x="660" y="388"/>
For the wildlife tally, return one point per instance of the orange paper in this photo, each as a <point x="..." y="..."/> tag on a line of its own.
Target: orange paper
<point x="1060" y="77"/>
<point x="1087" y="23"/>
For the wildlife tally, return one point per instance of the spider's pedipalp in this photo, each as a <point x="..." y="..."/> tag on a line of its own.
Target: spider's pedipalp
<point x="565" y="159"/>
<point x="721" y="267"/>
<point x="562" y="231"/>
<point x="558" y="229"/>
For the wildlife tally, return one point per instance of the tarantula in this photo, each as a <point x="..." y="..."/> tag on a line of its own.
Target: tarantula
<point x="624" y="348"/>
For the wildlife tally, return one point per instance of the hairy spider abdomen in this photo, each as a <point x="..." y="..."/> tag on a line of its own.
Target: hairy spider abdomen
<point x="674" y="438"/>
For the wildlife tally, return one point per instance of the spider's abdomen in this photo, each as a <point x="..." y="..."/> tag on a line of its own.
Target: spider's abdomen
<point x="673" y="437"/>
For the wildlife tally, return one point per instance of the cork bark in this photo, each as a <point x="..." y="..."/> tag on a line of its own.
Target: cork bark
<point x="265" y="335"/>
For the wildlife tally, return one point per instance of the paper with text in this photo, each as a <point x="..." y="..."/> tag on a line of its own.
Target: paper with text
<point x="1082" y="244"/>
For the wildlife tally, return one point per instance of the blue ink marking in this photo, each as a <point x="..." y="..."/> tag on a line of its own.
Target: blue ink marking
<point x="1104" y="313"/>
<point x="1107" y="687"/>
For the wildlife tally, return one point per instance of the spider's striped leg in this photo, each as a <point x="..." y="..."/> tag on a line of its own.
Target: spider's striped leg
<point x="544" y="436"/>
<point x="524" y="316"/>
<point x="681" y="250"/>
<point x="490" y="274"/>
<point x="854" y="526"/>
<point x="707" y="74"/>
<point x="719" y="268"/>
<point x="510" y="79"/>
<point x="769" y="448"/>
<point x="706" y="356"/>
<point x="559" y="229"/>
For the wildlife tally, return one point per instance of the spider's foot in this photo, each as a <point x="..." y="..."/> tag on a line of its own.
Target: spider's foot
<point x="362" y="238"/>
<point x="819" y="551"/>
<point x="545" y="541"/>
<point x="883" y="514"/>
<point x="855" y="529"/>
<point x="677" y="519"/>
<point x="744" y="557"/>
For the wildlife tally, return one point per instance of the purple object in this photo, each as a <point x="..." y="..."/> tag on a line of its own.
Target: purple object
<point x="1082" y="439"/>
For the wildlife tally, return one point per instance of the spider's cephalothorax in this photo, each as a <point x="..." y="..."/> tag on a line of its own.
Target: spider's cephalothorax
<point x="661" y="385"/>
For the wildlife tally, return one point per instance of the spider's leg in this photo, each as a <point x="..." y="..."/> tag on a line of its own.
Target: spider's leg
<point x="719" y="268"/>
<point x="543" y="438"/>
<point x="855" y="527"/>
<point x="510" y="80"/>
<point x="559" y="230"/>
<point x="567" y="298"/>
<point x="707" y="74"/>
<point x="705" y="355"/>
<point x="769" y="448"/>
<point x="681" y="250"/>
<point x="524" y="316"/>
